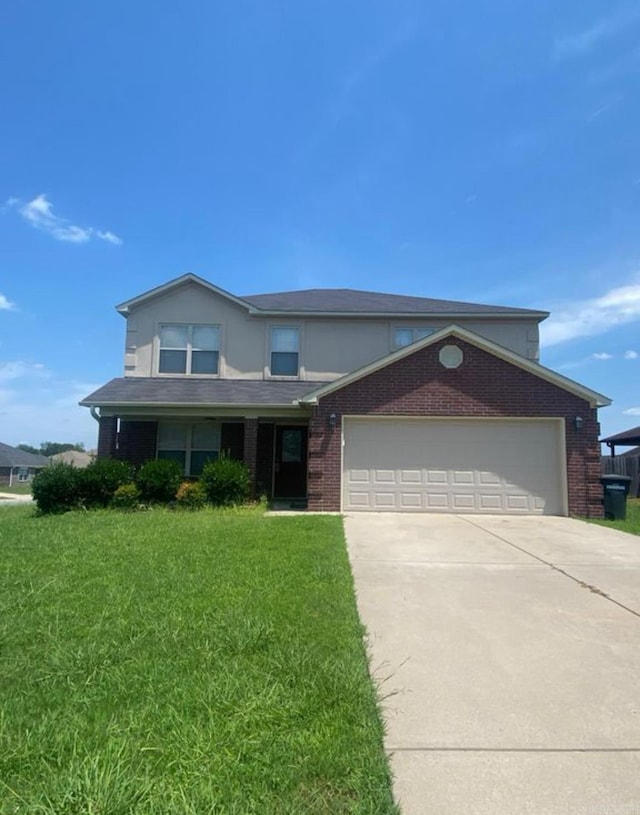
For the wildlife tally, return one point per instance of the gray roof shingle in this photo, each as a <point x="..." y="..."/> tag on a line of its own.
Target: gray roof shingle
<point x="13" y="457"/>
<point x="353" y="301"/>
<point x="629" y="437"/>
<point x="138" y="390"/>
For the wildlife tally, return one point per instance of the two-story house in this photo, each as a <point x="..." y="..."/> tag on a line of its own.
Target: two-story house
<point x="353" y="400"/>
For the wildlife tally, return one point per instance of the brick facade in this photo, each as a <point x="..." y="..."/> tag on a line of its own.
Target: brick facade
<point x="483" y="386"/>
<point x="107" y="437"/>
<point x="251" y="449"/>
<point x="137" y="441"/>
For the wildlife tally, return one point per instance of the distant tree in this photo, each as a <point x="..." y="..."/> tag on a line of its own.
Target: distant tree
<point x="28" y="448"/>
<point x="52" y="448"/>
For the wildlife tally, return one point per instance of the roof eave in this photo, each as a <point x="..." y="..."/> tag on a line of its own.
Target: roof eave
<point x="198" y="405"/>
<point x="405" y="315"/>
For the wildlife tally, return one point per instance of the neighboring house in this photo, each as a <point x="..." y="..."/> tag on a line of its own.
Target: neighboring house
<point x="17" y="466"/>
<point x="354" y="401"/>
<point x="628" y="438"/>
<point x="626" y="463"/>
<point x="78" y="458"/>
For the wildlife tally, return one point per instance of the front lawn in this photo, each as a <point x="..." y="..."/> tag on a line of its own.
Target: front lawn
<point x="175" y="662"/>
<point x="631" y="523"/>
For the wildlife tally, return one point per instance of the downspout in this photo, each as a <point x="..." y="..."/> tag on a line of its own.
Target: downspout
<point x="94" y="413"/>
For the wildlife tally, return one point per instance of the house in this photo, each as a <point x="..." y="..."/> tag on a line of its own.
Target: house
<point x="626" y="463"/>
<point x="77" y="458"/>
<point x="355" y="401"/>
<point x="17" y="466"/>
<point x="628" y="438"/>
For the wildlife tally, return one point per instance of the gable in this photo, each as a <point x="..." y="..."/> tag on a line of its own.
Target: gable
<point x="173" y="287"/>
<point x="494" y="360"/>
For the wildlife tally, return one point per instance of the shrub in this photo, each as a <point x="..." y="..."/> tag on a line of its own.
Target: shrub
<point x="100" y="480"/>
<point x="191" y="495"/>
<point x="226" y="481"/>
<point x="57" y="488"/>
<point x="159" y="480"/>
<point x="127" y="496"/>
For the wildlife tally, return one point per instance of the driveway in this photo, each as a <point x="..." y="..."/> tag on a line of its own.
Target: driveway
<point x="507" y="652"/>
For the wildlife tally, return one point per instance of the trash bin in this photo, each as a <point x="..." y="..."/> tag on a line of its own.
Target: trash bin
<point x="616" y="489"/>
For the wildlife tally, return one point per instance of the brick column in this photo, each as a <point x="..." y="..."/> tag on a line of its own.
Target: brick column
<point x="107" y="436"/>
<point x="251" y="450"/>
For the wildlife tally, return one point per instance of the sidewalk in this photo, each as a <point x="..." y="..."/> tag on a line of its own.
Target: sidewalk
<point x="9" y="499"/>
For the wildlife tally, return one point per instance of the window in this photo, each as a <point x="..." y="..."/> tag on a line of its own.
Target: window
<point x="189" y="349"/>
<point x="406" y="336"/>
<point x="285" y="344"/>
<point x="191" y="445"/>
<point x="23" y="473"/>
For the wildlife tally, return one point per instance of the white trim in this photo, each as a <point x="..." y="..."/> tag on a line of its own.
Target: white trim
<point x="594" y="398"/>
<point x="284" y="377"/>
<point x="151" y="412"/>
<point x="157" y="350"/>
<point x="516" y="314"/>
<point x="559" y="421"/>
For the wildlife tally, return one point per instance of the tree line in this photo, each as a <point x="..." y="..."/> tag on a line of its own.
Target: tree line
<point x="51" y="448"/>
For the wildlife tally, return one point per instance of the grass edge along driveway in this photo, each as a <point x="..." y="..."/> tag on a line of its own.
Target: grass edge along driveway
<point x="175" y="662"/>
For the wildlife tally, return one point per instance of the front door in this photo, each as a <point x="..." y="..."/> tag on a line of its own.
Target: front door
<point x="290" y="458"/>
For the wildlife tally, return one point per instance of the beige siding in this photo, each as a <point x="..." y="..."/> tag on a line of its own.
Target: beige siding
<point x="242" y="341"/>
<point x="329" y="348"/>
<point x="333" y="348"/>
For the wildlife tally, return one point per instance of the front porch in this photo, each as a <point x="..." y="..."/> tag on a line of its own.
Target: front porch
<point x="274" y="448"/>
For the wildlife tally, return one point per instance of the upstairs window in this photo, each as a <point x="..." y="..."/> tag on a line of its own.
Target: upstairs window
<point x="407" y="336"/>
<point x="189" y="349"/>
<point x="285" y="351"/>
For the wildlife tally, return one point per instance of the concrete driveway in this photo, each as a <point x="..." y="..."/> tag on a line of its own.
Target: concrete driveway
<point x="507" y="652"/>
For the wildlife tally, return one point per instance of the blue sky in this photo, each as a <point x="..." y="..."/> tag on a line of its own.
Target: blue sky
<point x="475" y="151"/>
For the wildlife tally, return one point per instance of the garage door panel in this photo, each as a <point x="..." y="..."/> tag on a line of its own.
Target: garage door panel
<point x="510" y="466"/>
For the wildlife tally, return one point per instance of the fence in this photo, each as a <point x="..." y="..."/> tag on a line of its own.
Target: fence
<point x="621" y="465"/>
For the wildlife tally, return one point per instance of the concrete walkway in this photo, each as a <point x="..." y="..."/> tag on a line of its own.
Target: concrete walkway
<point x="507" y="652"/>
<point x="10" y="499"/>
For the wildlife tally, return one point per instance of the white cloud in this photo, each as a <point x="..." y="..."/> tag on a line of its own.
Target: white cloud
<point x="6" y="304"/>
<point x="631" y="355"/>
<point x="587" y="318"/>
<point x="109" y="237"/>
<point x="634" y="411"/>
<point x="602" y="355"/>
<point x="39" y="213"/>
<point x="585" y="41"/>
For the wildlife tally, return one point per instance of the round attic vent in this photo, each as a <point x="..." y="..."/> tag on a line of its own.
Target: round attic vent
<point x="451" y="356"/>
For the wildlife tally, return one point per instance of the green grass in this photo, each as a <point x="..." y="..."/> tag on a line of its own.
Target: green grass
<point x="631" y="523"/>
<point x="160" y="662"/>
<point x="16" y="489"/>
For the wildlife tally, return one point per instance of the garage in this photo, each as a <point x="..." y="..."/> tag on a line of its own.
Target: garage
<point x="503" y="466"/>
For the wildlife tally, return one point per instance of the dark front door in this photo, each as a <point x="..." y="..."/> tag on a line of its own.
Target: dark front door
<point x="290" y="457"/>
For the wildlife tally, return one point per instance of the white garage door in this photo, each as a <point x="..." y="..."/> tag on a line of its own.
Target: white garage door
<point x="441" y="465"/>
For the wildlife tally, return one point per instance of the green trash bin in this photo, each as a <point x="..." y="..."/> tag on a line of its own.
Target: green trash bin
<point x="616" y="489"/>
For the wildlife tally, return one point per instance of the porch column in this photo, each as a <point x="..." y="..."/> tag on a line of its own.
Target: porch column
<point x="107" y="436"/>
<point x="251" y="450"/>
